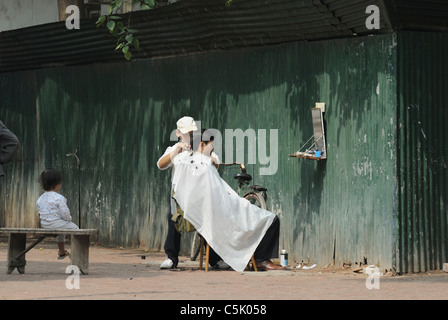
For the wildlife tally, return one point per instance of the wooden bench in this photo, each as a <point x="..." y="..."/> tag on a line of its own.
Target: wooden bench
<point x="17" y="245"/>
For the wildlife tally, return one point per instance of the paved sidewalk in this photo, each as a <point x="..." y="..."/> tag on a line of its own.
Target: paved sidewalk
<point x="118" y="274"/>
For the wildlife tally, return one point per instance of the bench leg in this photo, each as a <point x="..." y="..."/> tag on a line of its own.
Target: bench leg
<point x="80" y="252"/>
<point x="16" y="245"/>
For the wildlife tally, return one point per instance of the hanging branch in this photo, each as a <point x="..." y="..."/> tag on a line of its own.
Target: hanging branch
<point x="124" y="34"/>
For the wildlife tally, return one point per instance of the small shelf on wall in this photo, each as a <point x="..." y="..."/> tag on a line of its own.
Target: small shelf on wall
<point x="318" y="149"/>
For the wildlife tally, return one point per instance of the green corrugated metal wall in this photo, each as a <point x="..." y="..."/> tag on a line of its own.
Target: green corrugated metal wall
<point x="423" y="151"/>
<point x="18" y="188"/>
<point x="119" y="117"/>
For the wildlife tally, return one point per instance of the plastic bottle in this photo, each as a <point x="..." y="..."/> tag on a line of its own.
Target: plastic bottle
<point x="284" y="258"/>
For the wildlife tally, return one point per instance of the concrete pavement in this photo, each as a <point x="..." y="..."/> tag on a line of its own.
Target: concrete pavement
<point x="132" y="274"/>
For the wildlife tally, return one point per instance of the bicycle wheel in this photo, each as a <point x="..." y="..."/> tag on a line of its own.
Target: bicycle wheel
<point x="256" y="199"/>
<point x="195" y="246"/>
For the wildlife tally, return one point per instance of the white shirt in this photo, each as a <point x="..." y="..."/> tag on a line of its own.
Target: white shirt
<point x="53" y="206"/>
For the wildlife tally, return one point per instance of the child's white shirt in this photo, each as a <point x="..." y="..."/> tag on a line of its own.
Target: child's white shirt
<point x="53" y="206"/>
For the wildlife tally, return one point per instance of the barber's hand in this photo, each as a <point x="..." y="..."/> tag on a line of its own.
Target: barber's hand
<point x="179" y="148"/>
<point x="182" y="146"/>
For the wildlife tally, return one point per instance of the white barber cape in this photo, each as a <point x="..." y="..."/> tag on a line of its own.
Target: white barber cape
<point x="231" y="225"/>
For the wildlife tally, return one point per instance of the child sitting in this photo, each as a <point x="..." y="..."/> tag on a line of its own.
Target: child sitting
<point x="52" y="207"/>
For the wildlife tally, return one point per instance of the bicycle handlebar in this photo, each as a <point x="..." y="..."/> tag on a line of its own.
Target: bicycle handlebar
<point x="234" y="164"/>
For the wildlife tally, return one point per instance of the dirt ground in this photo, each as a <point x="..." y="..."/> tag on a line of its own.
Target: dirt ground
<point x="132" y="274"/>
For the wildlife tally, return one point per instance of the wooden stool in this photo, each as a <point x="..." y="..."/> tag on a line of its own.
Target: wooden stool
<point x="207" y="256"/>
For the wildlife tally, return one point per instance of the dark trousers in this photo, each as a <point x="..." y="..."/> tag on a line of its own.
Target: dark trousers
<point x="172" y="242"/>
<point x="172" y="245"/>
<point x="268" y="247"/>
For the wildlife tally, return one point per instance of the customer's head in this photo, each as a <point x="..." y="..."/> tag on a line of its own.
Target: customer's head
<point x="203" y="141"/>
<point x="50" y="179"/>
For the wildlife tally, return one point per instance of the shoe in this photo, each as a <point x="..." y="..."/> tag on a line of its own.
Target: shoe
<point x="221" y="265"/>
<point x="167" y="264"/>
<point x="63" y="255"/>
<point x="268" y="265"/>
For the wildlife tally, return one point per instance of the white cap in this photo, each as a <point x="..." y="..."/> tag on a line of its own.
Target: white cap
<point x="186" y="124"/>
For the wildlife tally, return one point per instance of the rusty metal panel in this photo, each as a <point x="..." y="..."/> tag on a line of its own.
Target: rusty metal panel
<point x="380" y="195"/>
<point x="119" y="117"/>
<point x="330" y="213"/>
<point x="423" y="151"/>
<point x="18" y="188"/>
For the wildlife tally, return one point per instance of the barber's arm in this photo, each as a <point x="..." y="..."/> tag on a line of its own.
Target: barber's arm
<point x="165" y="161"/>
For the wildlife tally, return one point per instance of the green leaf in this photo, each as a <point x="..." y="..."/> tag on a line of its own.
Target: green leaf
<point x="136" y="44"/>
<point x="111" y="25"/>
<point x="129" y="38"/>
<point x="128" y="55"/>
<point x="150" y="3"/>
<point x="100" y="21"/>
<point x="229" y="3"/>
<point x="125" y="49"/>
<point x="119" y="46"/>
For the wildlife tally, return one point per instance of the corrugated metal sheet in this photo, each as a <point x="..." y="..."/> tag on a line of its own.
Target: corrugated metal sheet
<point x="423" y="151"/>
<point x="380" y="195"/>
<point x="119" y="117"/>
<point x="18" y="187"/>
<point x="195" y="26"/>
<point x="182" y="28"/>
<point x="428" y="15"/>
<point x="352" y="14"/>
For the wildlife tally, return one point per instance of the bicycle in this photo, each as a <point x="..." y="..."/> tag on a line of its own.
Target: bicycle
<point x="255" y="194"/>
